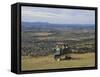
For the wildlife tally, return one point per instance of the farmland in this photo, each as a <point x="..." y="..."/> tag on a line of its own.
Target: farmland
<point x="39" y="41"/>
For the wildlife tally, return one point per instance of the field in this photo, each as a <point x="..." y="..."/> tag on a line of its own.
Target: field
<point x="40" y="39"/>
<point x="48" y="62"/>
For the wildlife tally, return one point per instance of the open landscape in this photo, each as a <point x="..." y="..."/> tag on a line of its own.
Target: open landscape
<point x="54" y="38"/>
<point x="39" y="41"/>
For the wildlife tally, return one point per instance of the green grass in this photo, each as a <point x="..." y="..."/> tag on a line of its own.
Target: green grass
<point x="38" y="63"/>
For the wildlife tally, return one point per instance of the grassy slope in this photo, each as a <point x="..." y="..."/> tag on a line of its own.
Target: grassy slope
<point x="78" y="60"/>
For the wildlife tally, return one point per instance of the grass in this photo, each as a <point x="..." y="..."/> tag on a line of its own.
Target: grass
<point x="48" y="62"/>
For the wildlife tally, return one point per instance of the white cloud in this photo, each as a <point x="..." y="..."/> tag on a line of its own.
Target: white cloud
<point x="53" y="15"/>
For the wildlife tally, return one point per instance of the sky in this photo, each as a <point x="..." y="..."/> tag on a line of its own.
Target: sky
<point x="57" y="15"/>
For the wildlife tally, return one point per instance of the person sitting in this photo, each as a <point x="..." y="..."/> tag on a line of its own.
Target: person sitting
<point x="57" y="53"/>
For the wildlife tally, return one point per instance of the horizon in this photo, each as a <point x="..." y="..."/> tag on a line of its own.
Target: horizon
<point x="57" y="23"/>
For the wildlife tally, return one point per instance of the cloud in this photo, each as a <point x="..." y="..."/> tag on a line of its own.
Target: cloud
<point x="53" y="15"/>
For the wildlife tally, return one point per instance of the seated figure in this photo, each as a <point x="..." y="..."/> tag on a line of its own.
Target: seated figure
<point x="61" y="50"/>
<point x="57" y="53"/>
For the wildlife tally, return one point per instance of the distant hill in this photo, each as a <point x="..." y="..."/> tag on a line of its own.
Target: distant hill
<point x="49" y="26"/>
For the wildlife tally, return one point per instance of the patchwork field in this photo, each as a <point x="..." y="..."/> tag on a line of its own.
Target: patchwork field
<point x="39" y="40"/>
<point x="48" y="62"/>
